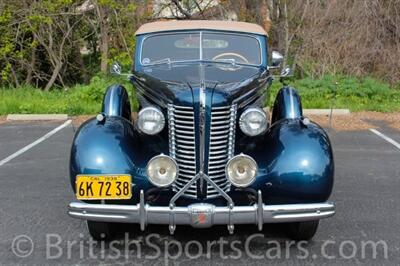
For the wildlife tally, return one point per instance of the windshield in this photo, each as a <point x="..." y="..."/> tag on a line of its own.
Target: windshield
<point x="218" y="47"/>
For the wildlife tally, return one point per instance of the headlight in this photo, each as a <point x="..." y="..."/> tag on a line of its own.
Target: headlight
<point x="253" y="121"/>
<point x="150" y="120"/>
<point x="162" y="170"/>
<point x="241" y="170"/>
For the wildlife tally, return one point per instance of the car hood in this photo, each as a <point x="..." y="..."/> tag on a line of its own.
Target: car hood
<point x="181" y="84"/>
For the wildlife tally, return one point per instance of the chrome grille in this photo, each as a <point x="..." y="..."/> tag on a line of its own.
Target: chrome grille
<point x="182" y="146"/>
<point x="221" y="146"/>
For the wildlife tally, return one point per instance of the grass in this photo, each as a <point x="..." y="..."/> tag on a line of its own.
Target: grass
<point x="78" y="100"/>
<point x="366" y="94"/>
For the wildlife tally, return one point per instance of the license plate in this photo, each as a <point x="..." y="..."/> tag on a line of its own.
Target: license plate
<point x="95" y="187"/>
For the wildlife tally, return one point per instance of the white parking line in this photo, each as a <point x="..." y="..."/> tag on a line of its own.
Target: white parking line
<point x="33" y="144"/>
<point x="391" y="141"/>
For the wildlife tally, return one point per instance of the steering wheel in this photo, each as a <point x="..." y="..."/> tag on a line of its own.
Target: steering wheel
<point x="241" y="57"/>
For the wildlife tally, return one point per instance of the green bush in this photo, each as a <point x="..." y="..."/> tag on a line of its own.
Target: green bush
<point x="365" y="94"/>
<point x="356" y="94"/>
<point x="80" y="99"/>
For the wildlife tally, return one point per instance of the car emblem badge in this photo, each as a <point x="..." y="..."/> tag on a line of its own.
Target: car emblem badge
<point x="201" y="218"/>
<point x="201" y="215"/>
<point x="202" y="122"/>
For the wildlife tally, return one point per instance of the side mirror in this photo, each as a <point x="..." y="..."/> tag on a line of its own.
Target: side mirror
<point x="115" y="68"/>
<point x="276" y="59"/>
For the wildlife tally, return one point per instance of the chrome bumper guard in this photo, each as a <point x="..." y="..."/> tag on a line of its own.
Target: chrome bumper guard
<point x="201" y="215"/>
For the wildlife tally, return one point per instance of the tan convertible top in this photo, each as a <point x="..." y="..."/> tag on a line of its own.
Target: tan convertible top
<point x="172" y="25"/>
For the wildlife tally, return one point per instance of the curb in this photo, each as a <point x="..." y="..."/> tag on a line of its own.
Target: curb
<point x="321" y="111"/>
<point x="36" y="117"/>
<point x="326" y="111"/>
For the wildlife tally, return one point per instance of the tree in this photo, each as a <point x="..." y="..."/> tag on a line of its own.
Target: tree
<point x="102" y="11"/>
<point x="52" y="31"/>
<point x="58" y="43"/>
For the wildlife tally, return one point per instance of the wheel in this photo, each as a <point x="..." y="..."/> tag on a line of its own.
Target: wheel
<point x="302" y="230"/>
<point x="101" y="230"/>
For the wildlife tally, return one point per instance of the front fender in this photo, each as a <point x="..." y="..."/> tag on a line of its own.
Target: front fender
<point x="112" y="147"/>
<point x="116" y="102"/>
<point x="287" y="105"/>
<point x="295" y="163"/>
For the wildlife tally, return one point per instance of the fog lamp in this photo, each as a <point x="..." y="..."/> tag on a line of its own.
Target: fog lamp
<point x="162" y="170"/>
<point x="241" y="170"/>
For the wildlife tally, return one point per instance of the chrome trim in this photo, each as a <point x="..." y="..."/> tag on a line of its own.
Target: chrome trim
<point x="219" y="119"/>
<point x="184" y="136"/>
<point x="247" y="157"/>
<point x="253" y="109"/>
<point x="184" y="161"/>
<point x="186" y="142"/>
<point x="185" y="156"/>
<point x="183" y="112"/>
<point x="257" y="214"/>
<point x="219" y="133"/>
<point x="217" y="157"/>
<point x="200" y="45"/>
<point x="157" y="111"/>
<point x="260" y="219"/>
<point x="214" y="137"/>
<point x="182" y="147"/>
<point x="189" y="122"/>
<point x="202" y="124"/>
<point x="232" y="131"/>
<point x="219" y="122"/>
<point x="183" y="127"/>
<point x="171" y="131"/>
<point x="183" y="190"/>
<point x="157" y="157"/>
<point x="221" y="107"/>
<point x="142" y="211"/>
<point x="219" y="127"/>
<point x="217" y="152"/>
<point x="221" y="148"/>
<point x="222" y="112"/>
<point x="188" y="167"/>
<point x="182" y="116"/>
<point x="202" y="120"/>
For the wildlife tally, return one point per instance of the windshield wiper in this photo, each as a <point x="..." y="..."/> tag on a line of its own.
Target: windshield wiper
<point x="227" y="61"/>
<point x="166" y="60"/>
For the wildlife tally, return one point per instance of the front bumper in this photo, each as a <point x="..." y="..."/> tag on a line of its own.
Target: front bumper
<point x="201" y="215"/>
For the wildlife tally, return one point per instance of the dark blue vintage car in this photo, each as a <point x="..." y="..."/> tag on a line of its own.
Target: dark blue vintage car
<point x="202" y="151"/>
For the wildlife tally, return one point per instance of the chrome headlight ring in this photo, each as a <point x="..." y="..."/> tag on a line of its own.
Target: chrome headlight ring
<point x="162" y="170"/>
<point x="151" y="120"/>
<point x="253" y="121"/>
<point x="241" y="170"/>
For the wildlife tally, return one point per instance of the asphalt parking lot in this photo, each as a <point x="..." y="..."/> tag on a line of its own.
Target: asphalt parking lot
<point x="35" y="228"/>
